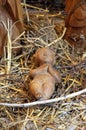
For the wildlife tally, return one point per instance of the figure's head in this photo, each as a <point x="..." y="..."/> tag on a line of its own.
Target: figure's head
<point x="42" y="86"/>
<point x="44" y="55"/>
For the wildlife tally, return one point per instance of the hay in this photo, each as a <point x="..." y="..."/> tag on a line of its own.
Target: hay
<point x="67" y="114"/>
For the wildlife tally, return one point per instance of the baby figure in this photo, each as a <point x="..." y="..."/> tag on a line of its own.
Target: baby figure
<point x="44" y="77"/>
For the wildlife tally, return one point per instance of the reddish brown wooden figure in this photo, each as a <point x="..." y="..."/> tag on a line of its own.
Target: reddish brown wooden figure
<point x="76" y="22"/>
<point x="10" y="9"/>
<point x="45" y="76"/>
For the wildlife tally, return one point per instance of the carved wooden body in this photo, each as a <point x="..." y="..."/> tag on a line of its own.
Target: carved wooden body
<point x="45" y="76"/>
<point x="76" y="22"/>
<point x="10" y="11"/>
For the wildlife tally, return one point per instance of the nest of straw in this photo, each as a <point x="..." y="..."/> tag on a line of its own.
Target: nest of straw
<point x="66" y="114"/>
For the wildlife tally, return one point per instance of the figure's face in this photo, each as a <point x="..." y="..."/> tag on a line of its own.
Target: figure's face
<point x="36" y="89"/>
<point x="42" y="86"/>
